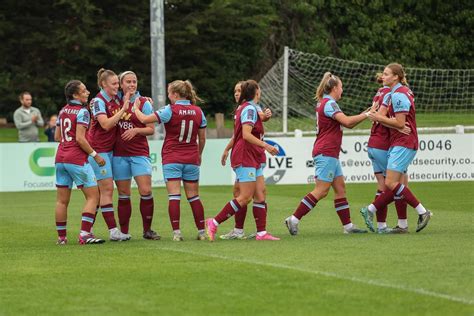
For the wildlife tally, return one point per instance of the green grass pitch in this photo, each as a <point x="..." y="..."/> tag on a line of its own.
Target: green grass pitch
<point x="319" y="272"/>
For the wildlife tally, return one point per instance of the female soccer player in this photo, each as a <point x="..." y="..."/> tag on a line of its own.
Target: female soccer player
<point x="328" y="172"/>
<point x="132" y="157"/>
<point x="106" y="113"/>
<point x="246" y="161"/>
<point x="71" y="163"/>
<point x="238" y="231"/>
<point x="378" y="145"/>
<point x="185" y="126"/>
<point x="402" y="147"/>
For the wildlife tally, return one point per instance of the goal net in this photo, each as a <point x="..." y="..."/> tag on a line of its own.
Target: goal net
<point x="443" y="91"/>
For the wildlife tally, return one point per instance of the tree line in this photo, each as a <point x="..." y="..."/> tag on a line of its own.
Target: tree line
<point x="215" y="43"/>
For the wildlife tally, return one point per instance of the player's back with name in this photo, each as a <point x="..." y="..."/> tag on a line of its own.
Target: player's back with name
<point x="180" y="145"/>
<point x="69" y="150"/>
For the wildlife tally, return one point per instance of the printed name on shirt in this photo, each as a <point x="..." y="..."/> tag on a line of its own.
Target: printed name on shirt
<point x="71" y="111"/>
<point x="187" y="112"/>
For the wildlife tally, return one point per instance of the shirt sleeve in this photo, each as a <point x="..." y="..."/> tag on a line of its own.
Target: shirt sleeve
<point x="331" y="108"/>
<point x="83" y="117"/>
<point x="249" y="115"/>
<point x="204" y="121"/>
<point x="147" y="108"/>
<point x="400" y="103"/>
<point x="385" y="100"/>
<point x="98" y="107"/>
<point x="164" y="114"/>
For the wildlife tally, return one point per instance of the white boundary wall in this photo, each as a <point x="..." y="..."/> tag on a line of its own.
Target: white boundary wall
<point x="444" y="157"/>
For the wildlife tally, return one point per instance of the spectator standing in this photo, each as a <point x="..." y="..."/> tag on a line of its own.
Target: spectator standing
<point x="27" y="119"/>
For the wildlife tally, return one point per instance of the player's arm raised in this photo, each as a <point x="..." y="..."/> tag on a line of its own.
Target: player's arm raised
<point x="145" y="119"/>
<point x="144" y="131"/>
<point x="109" y="122"/>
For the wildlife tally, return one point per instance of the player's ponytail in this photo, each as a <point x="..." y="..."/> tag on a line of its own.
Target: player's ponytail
<point x="326" y="85"/>
<point x="103" y="75"/>
<point x="378" y="78"/>
<point x="191" y="93"/>
<point x="71" y="88"/>
<point x="398" y="70"/>
<point x="248" y="91"/>
<point x="185" y="90"/>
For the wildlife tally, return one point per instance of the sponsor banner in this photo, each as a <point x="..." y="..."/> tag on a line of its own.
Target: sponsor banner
<point x="30" y="166"/>
<point x="449" y="157"/>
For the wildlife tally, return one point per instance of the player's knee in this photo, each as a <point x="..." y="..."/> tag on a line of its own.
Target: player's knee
<point x="244" y="200"/>
<point x="390" y="184"/>
<point x="319" y="193"/>
<point x="144" y="191"/>
<point x="62" y="203"/>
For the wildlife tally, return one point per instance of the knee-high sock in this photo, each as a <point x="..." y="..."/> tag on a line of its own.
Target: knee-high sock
<point x="174" y="210"/>
<point x="108" y="214"/>
<point x="124" y="210"/>
<point x="87" y="222"/>
<point x="260" y="215"/>
<point x="229" y="209"/>
<point x="240" y="217"/>
<point x="381" y="214"/>
<point x="198" y="211"/>
<point x="146" y="209"/>
<point x="342" y="210"/>
<point x="61" y="229"/>
<point x="306" y="205"/>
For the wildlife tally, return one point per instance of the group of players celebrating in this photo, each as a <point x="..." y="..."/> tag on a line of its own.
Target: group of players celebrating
<point x="107" y="141"/>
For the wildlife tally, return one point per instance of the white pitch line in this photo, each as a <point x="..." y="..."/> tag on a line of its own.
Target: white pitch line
<point x="331" y="275"/>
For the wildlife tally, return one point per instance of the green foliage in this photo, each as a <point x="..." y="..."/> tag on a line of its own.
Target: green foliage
<point x="215" y="43"/>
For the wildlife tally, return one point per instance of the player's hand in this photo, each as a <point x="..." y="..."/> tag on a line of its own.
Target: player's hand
<point x="129" y="134"/>
<point x="405" y="130"/>
<point x="373" y="116"/>
<point x="199" y="160"/>
<point x="34" y="118"/>
<point x="224" y="156"/>
<point x="272" y="150"/>
<point x="375" y="106"/>
<point x="136" y="105"/>
<point x="149" y="100"/>
<point x="126" y="101"/>
<point x="268" y="113"/>
<point x="100" y="161"/>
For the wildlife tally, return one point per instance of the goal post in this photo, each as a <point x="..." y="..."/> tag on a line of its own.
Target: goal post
<point x="288" y="89"/>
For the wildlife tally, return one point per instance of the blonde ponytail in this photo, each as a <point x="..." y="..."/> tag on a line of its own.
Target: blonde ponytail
<point x="326" y="85"/>
<point x="185" y="90"/>
<point x="398" y="70"/>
